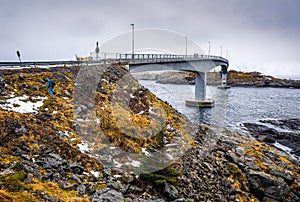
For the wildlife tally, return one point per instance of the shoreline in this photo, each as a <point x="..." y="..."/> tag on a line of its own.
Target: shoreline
<point x="234" y="79"/>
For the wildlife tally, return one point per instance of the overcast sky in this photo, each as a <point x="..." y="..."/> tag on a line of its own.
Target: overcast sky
<point x="259" y="35"/>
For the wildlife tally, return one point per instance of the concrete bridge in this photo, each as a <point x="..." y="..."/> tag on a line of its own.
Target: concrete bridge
<point x="199" y="64"/>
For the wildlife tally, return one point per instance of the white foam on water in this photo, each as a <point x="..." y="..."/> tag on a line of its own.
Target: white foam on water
<point x="282" y="147"/>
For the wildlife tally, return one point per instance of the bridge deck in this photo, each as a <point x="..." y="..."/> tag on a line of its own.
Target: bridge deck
<point x="128" y="58"/>
<point x="161" y="58"/>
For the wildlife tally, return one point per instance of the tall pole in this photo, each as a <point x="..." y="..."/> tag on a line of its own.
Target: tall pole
<point x="97" y="50"/>
<point x="185" y="46"/>
<point x="221" y="51"/>
<point x="209" y="48"/>
<point x="132" y="25"/>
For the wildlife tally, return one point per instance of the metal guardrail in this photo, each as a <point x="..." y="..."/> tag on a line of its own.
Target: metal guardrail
<point x="22" y="64"/>
<point x="52" y="63"/>
<point x="136" y="58"/>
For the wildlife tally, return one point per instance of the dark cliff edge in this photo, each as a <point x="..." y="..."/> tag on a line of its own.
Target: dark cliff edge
<point x="45" y="157"/>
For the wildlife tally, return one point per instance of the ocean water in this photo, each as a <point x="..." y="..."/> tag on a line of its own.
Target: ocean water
<point x="232" y="106"/>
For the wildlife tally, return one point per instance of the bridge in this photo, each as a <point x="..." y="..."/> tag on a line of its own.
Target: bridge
<point x="199" y="64"/>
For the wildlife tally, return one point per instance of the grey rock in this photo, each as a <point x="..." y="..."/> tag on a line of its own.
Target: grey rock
<point x="7" y="171"/>
<point x="3" y="93"/>
<point x="28" y="178"/>
<point x="67" y="93"/>
<point x="285" y="175"/>
<point x="116" y="185"/>
<point x="20" y="130"/>
<point x="268" y="185"/>
<point x="25" y="157"/>
<point x="240" y="151"/>
<point x="180" y="200"/>
<point x="36" y="88"/>
<point x="127" y="178"/>
<point x="171" y="191"/>
<point x="83" y="107"/>
<point x="76" y="168"/>
<point x="267" y="199"/>
<point x="74" y="177"/>
<point x="21" y="77"/>
<point x="53" y="162"/>
<point x="251" y="165"/>
<point x="135" y="189"/>
<point x="146" y="200"/>
<point x="71" y="186"/>
<point x="108" y="195"/>
<point x="78" y="109"/>
<point x="81" y="190"/>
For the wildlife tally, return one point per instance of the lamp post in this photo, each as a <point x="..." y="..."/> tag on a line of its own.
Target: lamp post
<point x="132" y="25"/>
<point x="221" y="51"/>
<point x="185" y="46"/>
<point x="208" y="47"/>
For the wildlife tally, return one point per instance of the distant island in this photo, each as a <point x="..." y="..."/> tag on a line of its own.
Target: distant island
<point x="235" y="78"/>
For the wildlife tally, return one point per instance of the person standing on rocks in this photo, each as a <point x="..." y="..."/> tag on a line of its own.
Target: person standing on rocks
<point x="49" y="86"/>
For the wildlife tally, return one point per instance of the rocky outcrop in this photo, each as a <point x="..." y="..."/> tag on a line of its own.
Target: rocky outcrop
<point x="286" y="132"/>
<point x="235" y="78"/>
<point x="231" y="167"/>
<point x="43" y="157"/>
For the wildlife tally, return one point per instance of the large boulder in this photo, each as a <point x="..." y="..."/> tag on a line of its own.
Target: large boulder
<point x="108" y="194"/>
<point x="266" y="185"/>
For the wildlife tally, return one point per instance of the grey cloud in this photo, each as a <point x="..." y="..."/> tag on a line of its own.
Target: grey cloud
<point x="255" y="32"/>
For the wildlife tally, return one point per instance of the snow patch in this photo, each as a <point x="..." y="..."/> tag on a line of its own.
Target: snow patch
<point x="131" y="95"/>
<point x="117" y="164"/>
<point x="141" y="112"/>
<point x="146" y="152"/>
<point x="95" y="173"/>
<point x="84" y="147"/>
<point x="21" y="106"/>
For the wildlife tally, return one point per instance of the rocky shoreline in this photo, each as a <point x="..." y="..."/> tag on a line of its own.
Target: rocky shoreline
<point x="285" y="132"/>
<point x="235" y="78"/>
<point x="44" y="156"/>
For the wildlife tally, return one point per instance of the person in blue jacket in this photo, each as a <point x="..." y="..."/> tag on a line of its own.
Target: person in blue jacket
<point x="49" y="86"/>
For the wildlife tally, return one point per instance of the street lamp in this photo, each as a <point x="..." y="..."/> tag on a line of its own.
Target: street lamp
<point x="221" y="51"/>
<point x="132" y="25"/>
<point x="208" y="47"/>
<point x="185" y="46"/>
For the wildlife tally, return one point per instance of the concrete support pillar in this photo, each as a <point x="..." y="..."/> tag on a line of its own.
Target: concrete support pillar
<point x="224" y="74"/>
<point x="200" y="86"/>
<point x="224" y="79"/>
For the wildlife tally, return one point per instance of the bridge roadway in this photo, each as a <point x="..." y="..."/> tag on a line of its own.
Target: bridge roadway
<point x="199" y="64"/>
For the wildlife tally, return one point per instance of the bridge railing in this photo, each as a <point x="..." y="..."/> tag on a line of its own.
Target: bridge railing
<point x="135" y="58"/>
